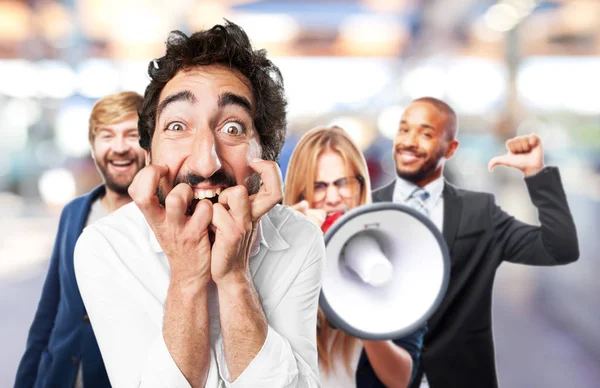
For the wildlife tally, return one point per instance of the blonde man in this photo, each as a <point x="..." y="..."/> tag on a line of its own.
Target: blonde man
<point x="61" y="348"/>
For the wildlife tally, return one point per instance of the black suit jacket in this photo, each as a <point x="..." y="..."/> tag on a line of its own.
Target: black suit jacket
<point x="458" y="349"/>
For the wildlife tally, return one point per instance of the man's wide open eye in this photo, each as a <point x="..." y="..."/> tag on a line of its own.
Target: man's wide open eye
<point x="176" y="126"/>
<point x="233" y="128"/>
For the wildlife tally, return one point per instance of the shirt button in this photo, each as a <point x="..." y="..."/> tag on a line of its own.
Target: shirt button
<point x="74" y="360"/>
<point x="86" y="319"/>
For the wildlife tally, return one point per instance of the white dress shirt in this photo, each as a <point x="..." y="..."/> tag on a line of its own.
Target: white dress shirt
<point x="123" y="277"/>
<point x="434" y="204"/>
<point x="97" y="211"/>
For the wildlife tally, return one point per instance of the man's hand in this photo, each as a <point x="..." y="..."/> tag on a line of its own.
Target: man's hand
<point x="235" y="219"/>
<point x="316" y="215"/>
<point x="524" y="153"/>
<point x="271" y="191"/>
<point x="183" y="238"/>
<point x="232" y="222"/>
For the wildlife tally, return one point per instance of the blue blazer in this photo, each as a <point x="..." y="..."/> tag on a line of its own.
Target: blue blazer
<point x="61" y="336"/>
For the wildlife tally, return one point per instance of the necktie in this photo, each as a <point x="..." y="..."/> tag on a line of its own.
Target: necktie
<point x="417" y="200"/>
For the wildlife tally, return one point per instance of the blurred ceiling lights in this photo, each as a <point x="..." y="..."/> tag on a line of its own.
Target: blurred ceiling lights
<point x="56" y="79"/>
<point x="471" y="85"/>
<point x="358" y="129"/>
<point x="506" y="14"/>
<point x="57" y="186"/>
<point x="16" y="116"/>
<point x="389" y="120"/>
<point x="389" y="6"/>
<point x="15" y="21"/>
<point x="134" y="76"/>
<point x="501" y="17"/>
<point x="205" y="14"/>
<point x="97" y="77"/>
<point x="94" y="78"/>
<point x="267" y="28"/>
<point x="425" y="79"/>
<point x="70" y="127"/>
<point x="128" y="21"/>
<point x="18" y="78"/>
<point x="556" y="84"/>
<point x="55" y="22"/>
<point x="364" y="35"/>
<point x="317" y="86"/>
<point x="476" y="86"/>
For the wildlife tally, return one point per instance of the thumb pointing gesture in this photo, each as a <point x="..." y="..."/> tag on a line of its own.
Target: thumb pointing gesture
<point x="503" y="160"/>
<point x="524" y="153"/>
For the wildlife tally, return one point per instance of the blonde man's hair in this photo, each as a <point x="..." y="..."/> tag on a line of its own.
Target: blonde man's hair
<point x="299" y="185"/>
<point x="113" y="109"/>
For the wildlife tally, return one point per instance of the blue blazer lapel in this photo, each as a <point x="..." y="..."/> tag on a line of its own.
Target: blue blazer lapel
<point x="80" y="215"/>
<point x="83" y="211"/>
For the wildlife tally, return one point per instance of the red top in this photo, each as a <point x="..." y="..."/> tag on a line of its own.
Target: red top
<point x="330" y="220"/>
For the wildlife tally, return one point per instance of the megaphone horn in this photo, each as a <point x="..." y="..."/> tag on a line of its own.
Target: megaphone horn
<point x="387" y="270"/>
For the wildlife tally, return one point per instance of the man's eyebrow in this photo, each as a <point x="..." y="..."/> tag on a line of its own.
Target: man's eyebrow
<point x="184" y="95"/>
<point x="422" y="125"/>
<point x="228" y="98"/>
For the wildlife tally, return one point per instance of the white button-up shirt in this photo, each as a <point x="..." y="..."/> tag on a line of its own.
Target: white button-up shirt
<point x="434" y="204"/>
<point x="123" y="277"/>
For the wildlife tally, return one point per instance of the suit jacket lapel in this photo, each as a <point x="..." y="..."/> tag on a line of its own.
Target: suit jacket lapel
<point x="452" y="210"/>
<point x="385" y="193"/>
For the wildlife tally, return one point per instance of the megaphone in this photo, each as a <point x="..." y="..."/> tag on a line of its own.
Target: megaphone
<point x="387" y="270"/>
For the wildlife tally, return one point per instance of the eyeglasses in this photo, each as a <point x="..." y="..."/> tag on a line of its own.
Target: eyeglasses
<point x="346" y="187"/>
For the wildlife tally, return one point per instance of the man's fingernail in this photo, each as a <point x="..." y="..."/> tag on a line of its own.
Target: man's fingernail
<point x="256" y="160"/>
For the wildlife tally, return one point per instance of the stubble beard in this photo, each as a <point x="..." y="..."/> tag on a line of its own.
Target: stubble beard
<point x="429" y="167"/>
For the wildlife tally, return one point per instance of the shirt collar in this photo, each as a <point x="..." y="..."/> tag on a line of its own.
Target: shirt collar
<point x="403" y="189"/>
<point x="267" y="235"/>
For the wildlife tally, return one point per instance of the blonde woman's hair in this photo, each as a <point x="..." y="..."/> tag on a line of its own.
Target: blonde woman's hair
<point x="113" y="109"/>
<point x="299" y="184"/>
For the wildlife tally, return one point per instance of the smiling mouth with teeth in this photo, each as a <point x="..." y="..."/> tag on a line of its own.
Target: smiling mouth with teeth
<point x="121" y="163"/>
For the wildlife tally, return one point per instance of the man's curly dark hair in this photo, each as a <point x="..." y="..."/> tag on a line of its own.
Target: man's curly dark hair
<point x="227" y="45"/>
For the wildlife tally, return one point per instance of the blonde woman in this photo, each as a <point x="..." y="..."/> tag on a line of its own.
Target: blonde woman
<point x="327" y="174"/>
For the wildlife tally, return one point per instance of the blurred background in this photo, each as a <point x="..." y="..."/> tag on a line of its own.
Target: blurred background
<point x="508" y="67"/>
